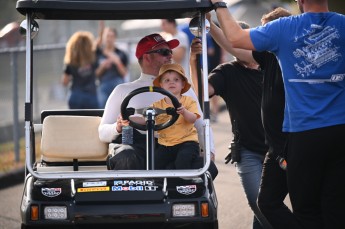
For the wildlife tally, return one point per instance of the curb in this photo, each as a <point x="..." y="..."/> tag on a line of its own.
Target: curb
<point x="11" y="178"/>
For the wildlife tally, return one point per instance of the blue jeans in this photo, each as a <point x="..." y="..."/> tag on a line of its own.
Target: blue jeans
<point x="105" y="89"/>
<point x="249" y="169"/>
<point x="79" y="99"/>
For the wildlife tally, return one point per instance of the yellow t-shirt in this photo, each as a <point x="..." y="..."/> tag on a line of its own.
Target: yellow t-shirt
<point x="181" y="130"/>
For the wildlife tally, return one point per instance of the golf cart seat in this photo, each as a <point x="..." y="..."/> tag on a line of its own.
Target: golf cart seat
<point x="70" y="141"/>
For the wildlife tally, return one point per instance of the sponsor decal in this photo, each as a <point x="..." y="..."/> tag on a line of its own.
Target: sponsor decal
<point x="151" y="188"/>
<point x="186" y="189"/>
<point x="94" y="189"/>
<point x="133" y="182"/>
<point x="133" y="185"/>
<point x="95" y="184"/>
<point x="129" y="188"/>
<point x="51" y="192"/>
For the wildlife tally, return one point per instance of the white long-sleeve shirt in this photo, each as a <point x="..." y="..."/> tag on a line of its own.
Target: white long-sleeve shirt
<point x="107" y="128"/>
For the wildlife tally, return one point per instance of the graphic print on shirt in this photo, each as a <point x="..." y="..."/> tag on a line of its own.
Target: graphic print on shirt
<point x="317" y="51"/>
<point x="85" y="71"/>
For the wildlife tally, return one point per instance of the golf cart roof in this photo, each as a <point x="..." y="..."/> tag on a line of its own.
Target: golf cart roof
<point x="112" y="9"/>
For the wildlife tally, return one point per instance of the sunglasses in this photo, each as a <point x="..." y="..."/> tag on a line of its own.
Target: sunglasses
<point x="163" y="52"/>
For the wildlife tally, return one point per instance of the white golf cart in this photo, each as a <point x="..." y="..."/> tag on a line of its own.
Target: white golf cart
<point x="68" y="185"/>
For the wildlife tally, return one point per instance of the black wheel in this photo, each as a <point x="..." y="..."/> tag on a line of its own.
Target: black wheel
<point x="128" y="111"/>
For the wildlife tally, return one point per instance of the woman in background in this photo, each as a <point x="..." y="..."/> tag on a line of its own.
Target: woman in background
<point x="112" y="63"/>
<point x="80" y="71"/>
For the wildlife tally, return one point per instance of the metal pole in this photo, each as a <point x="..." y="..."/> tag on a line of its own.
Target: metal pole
<point x="15" y="106"/>
<point x="28" y="96"/>
<point x="150" y="141"/>
<point x="199" y="67"/>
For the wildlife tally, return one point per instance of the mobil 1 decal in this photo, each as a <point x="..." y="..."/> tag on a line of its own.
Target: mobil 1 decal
<point x="134" y="185"/>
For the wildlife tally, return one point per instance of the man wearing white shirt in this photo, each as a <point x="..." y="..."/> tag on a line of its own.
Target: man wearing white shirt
<point x="152" y="52"/>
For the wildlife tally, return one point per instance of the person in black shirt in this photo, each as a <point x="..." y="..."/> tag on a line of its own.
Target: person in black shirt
<point x="240" y="85"/>
<point x="79" y="71"/>
<point x="273" y="188"/>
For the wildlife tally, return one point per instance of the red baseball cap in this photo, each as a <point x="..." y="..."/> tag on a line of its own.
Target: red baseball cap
<point x="149" y="42"/>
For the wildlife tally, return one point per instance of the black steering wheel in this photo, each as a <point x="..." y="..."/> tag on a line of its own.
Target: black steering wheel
<point x="128" y="111"/>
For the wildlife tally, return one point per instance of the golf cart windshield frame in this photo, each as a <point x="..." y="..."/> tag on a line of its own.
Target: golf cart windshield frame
<point x="110" y="10"/>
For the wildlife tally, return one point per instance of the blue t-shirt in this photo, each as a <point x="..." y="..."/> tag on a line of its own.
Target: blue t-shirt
<point x="311" y="52"/>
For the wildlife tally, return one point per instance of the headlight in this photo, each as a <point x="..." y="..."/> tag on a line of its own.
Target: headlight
<point x="183" y="210"/>
<point x="55" y="212"/>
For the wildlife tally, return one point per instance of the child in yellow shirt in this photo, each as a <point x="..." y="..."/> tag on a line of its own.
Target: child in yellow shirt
<point x="178" y="144"/>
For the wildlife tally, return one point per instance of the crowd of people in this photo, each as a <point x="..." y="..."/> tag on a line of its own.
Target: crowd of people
<point x="314" y="111"/>
<point x="285" y="95"/>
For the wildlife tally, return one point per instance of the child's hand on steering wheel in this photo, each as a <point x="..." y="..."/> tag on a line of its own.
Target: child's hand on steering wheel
<point x="181" y="110"/>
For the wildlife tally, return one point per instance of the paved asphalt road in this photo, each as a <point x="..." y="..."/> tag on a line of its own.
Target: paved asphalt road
<point x="234" y="212"/>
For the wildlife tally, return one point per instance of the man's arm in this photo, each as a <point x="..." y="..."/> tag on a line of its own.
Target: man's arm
<point x="238" y="37"/>
<point x="107" y="129"/>
<point x="219" y="37"/>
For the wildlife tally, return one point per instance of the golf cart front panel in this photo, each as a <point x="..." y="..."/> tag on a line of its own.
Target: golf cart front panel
<point x="136" y="202"/>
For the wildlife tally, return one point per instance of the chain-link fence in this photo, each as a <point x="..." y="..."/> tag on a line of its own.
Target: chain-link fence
<point x="48" y="91"/>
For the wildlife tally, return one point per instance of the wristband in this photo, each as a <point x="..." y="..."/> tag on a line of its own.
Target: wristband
<point x="219" y="5"/>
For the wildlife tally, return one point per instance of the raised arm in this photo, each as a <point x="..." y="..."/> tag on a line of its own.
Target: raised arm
<point x="238" y="37"/>
<point x="219" y="37"/>
<point x="99" y="39"/>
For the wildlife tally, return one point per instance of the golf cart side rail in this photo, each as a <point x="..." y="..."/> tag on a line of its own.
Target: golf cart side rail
<point x="63" y="139"/>
<point x="109" y="9"/>
<point x="117" y="174"/>
<point x="112" y="10"/>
